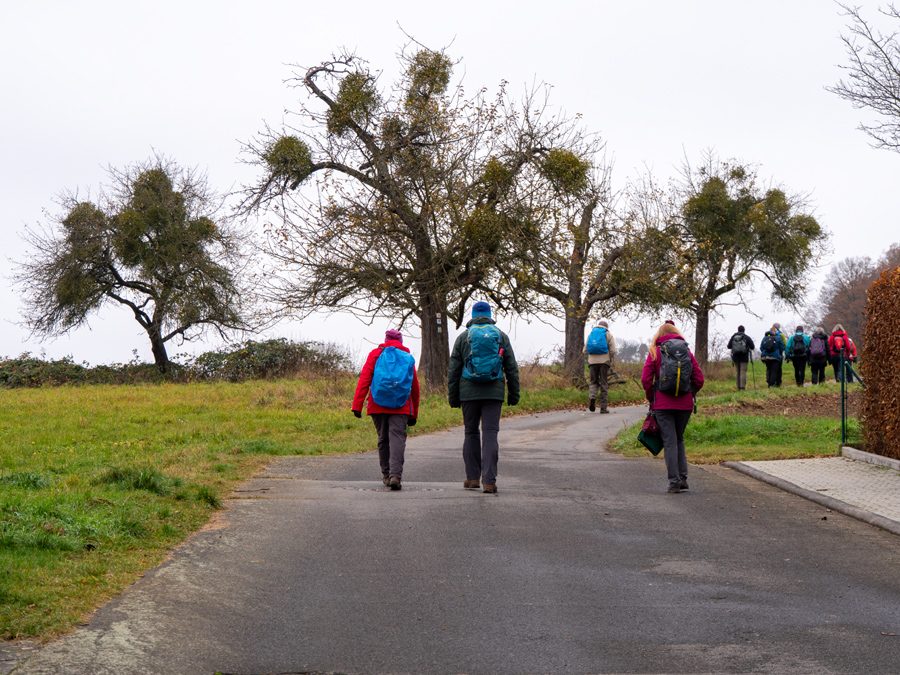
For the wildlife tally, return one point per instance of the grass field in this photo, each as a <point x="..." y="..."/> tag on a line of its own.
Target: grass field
<point x="98" y="483"/>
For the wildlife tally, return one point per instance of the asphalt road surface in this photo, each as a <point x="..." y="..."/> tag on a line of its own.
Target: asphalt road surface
<point x="582" y="563"/>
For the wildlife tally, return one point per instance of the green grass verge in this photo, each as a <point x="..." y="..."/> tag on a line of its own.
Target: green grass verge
<point x="99" y="483"/>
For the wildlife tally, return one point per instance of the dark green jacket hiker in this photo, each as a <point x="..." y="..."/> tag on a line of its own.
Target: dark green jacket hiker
<point x="462" y="389"/>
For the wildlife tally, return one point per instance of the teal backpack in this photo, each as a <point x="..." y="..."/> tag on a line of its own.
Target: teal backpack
<point x="485" y="360"/>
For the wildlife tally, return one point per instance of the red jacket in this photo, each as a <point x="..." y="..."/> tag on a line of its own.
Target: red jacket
<point x="834" y="350"/>
<point x="659" y="400"/>
<point x="411" y="407"/>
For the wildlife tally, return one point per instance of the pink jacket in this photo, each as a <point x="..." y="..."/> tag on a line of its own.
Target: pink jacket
<point x="660" y="401"/>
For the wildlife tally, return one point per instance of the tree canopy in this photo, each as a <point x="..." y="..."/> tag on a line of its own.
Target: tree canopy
<point x="150" y="243"/>
<point x="401" y="202"/>
<point x="727" y="233"/>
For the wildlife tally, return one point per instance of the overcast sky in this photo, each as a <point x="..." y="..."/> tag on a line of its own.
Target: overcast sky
<point x="91" y="84"/>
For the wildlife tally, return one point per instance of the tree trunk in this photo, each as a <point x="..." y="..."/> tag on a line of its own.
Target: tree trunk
<point x="435" y="360"/>
<point x="573" y="354"/>
<point x="701" y="338"/>
<point x="158" y="347"/>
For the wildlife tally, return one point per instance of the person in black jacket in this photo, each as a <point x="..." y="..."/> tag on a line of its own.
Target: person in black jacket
<point x="741" y="347"/>
<point x="818" y="355"/>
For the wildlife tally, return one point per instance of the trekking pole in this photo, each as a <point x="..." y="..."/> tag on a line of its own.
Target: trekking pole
<point x="753" y="370"/>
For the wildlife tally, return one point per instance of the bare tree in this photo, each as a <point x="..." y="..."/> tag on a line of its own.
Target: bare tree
<point x="845" y="292"/>
<point x="152" y="243"/>
<point x="585" y="256"/>
<point x="873" y="75"/>
<point x="396" y="202"/>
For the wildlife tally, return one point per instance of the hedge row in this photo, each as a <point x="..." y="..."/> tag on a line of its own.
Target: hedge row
<point x="881" y="395"/>
<point x="277" y="358"/>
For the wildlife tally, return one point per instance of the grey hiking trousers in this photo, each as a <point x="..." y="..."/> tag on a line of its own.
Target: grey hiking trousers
<point x="391" y="430"/>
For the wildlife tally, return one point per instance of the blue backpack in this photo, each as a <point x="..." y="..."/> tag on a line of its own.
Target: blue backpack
<point x="596" y="343"/>
<point x="392" y="378"/>
<point x="485" y="360"/>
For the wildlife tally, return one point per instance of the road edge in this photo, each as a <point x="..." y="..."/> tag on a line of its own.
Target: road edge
<point x="823" y="500"/>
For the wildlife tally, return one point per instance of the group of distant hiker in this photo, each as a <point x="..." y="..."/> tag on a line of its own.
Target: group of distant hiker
<point x="816" y="350"/>
<point x="483" y="373"/>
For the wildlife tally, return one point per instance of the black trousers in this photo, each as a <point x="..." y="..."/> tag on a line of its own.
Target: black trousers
<point x="773" y="372"/>
<point x="799" y="370"/>
<point x="817" y="370"/>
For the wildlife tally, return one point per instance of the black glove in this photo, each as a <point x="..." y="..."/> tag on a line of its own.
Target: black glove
<point x="410" y="421"/>
<point x="358" y="413"/>
<point x="512" y="401"/>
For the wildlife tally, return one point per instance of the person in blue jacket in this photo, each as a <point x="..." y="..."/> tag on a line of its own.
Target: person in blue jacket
<point x="797" y="353"/>
<point x="771" y="350"/>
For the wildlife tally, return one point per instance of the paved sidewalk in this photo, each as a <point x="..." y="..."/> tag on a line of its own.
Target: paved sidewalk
<point x="859" y="489"/>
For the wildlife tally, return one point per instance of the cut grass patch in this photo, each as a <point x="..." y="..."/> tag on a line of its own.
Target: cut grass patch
<point x="736" y="438"/>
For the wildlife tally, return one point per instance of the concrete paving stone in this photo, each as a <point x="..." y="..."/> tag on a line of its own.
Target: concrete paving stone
<point x="866" y="486"/>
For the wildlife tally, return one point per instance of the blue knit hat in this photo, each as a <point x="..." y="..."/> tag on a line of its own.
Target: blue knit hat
<point x="481" y="309"/>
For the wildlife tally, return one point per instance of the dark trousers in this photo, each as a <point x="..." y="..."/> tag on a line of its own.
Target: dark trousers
<point x="817" y="371"/>
<point x="741" y="374"/>
<point x="773" y="372"/>
<point x="799" y="370"/>
<point x="599" y="373"/>
<point x="481" y="449"/>
<point x="391" y="430"/>
<point x="836" y="364"/>
<point x="672" y="424"/>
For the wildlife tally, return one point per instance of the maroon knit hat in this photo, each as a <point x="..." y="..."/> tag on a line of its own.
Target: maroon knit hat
<point x="393" y="335"/>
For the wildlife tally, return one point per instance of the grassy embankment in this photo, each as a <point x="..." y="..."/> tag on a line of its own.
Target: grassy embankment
<point x="98" y="483"/>
<point x="730" y="434"/>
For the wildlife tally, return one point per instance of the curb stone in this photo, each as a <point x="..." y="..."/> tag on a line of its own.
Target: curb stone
<point x="891" y="526"/>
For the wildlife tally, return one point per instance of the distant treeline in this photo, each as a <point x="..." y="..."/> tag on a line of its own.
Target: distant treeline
<point x="270" y="359"/>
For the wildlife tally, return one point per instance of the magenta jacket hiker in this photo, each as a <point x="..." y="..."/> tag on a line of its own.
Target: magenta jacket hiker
<point x="411" y="407"/>
<point x="659" y="400"/>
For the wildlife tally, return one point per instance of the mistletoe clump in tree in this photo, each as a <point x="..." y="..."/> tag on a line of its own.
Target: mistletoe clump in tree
<point x="726" y="233"/>
<point x="398" y="202"/>
<point x="151" y="244"/>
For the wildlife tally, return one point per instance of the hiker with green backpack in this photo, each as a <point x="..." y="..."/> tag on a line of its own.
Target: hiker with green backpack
<point x="771" y="351"/>
<point x="797" y="354"/>
<point x="390" y="381"/>
<point x="741" y="347"/>
<point x="671" y="379"/>
<point x="483" y="372"/>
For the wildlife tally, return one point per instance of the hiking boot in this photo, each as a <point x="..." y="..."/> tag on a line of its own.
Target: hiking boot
<point x="490" y="489"/>
<point x="605" y="411"/>
<point x="386" y="480"/>
<point x="674" y="489"/>
<point x="473" y="484"/>
<point x="592" y="405"/>
<point x="684" y="485"/>
<point x="394" y="483"/>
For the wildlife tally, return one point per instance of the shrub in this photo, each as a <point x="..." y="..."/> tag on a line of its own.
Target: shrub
<point x="275" y="358"/>
<point x="270" y="359"/>
<point x="881" y="395"/>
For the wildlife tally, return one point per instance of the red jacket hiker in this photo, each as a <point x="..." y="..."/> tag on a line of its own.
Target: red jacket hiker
<point x="411" y="407"/>
<point x="838" y="341"/>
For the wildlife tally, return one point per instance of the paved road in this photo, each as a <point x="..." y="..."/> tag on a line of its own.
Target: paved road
<point x="581" y="564"/>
